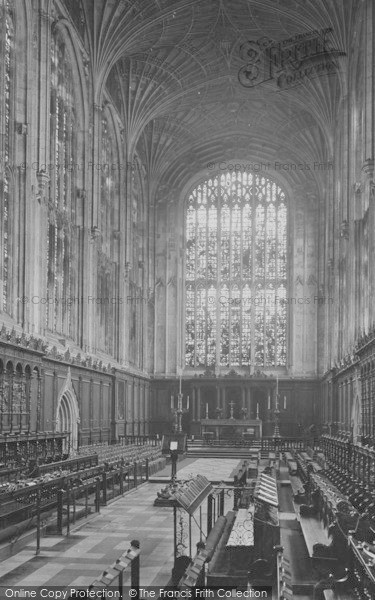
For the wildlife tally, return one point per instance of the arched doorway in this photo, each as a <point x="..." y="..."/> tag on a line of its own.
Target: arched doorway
<point x="67" y="415"/>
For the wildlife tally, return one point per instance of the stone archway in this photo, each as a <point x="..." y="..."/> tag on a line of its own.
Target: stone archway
<point x="67" y="414"/>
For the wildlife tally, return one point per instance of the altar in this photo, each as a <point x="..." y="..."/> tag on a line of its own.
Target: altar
<point x="231" y="428"/>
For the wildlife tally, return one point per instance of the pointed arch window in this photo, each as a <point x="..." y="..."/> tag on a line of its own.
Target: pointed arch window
<point x="108" y="283"/>
<point x="62" y="187"/>
<point x="5" y="188"/>
<point x="236" y="272"/>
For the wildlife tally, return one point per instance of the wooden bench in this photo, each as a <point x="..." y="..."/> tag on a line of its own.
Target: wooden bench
<point x="239" y="474"/>
<point x="314" y="533"/>
<point x="240" y="544"/>
<point x="299" y="494"/>
<point x="316" y="467"/>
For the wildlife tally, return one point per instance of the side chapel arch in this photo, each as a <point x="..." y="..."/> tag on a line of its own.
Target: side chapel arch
<point x="67" y="413"/>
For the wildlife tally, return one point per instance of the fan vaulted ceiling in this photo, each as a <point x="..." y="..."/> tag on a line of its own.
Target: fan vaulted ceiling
<point x="171" y="67"/>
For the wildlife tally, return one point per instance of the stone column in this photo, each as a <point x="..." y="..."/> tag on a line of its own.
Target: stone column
<point x="224" y="402"/>
<point x="39" y="401"/>
<point x="130" y="417"/>
<point x="101" y="420"/>
<point x="147" y="409"/>
<point x="347" y="426"/>
<point x="248" y="402"/>
<point x="143" y="408"/>
<point x="91" y="412"/>
<point x="54" y="400"/>
<point x="193" y="405"/>
<point x="199" y="404"/>
<point x="218" y="399"/>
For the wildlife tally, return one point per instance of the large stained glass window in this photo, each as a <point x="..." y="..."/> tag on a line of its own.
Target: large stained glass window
<point x="107" y="284"/>
<point x="5" y="151"/>
<point x="62" y="204"/>
<point x="236" y="268"/>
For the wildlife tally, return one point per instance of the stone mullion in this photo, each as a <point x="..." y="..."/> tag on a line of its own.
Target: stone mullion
<point x="12" y="376"/>
<point x="91" y="412"/>
<point x="369" y="391"/>
<point x="39" y="402"/>
<point x="101" y="419"/>
<point x="141" y="408"/>
<point x="195" y="286"/>
<point x="366" y="402"/>
<point x="370" y="400"/>
<point x="2" y="388"/>
<point x="218" y="290"/>
<point x="22" y="384"/>
<point x="368" y="82"/>
<point x="36" y="242"/>
<point x="147" y="409"/>
<point x="28" y="401"/>
<point x="241" y="285"/>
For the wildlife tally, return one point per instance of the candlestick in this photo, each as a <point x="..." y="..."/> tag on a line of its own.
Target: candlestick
<point x="187" y="403"/>
<point x="172" y="402"/>
<point x="206" y="410"/>
<point x="180" y="383"/>
<point x="257" y="410"/>
<point x="269" y="401"/>
<point x="284" y="402"/>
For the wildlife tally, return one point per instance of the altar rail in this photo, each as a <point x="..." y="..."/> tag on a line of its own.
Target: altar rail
<point x="265" y="443"/>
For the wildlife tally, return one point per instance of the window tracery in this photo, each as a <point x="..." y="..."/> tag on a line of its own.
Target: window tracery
<point x="107" y="286"/>
<point x="62" y="188"/>
<point x="6" y="183"/>
<point x="235" y="272"/>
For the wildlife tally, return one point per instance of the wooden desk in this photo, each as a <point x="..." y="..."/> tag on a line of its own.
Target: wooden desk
<point x="240" y="544"/>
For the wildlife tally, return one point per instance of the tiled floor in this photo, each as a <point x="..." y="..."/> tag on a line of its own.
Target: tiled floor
<point x="212" y="468"/>
<point x="95" y="544"/>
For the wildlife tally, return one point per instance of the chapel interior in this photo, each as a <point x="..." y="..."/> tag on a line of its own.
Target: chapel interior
<point x="187" y="316"/>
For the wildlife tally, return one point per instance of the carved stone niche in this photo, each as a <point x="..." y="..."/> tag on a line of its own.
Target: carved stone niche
<point x="43" y="181"/>
<point x="357" y="187"/>
<point x="344" y="230"/>
<point x="368" y="168"/>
